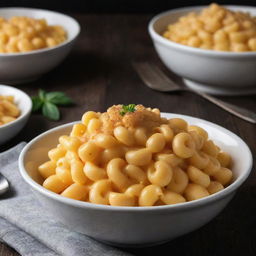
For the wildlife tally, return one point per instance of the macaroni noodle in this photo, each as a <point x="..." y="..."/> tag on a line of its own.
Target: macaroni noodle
<point x="136" y="158"/>
<point x="8" y="109"/>
<point x="215" y="28"/>
<point x="23" y="34"/>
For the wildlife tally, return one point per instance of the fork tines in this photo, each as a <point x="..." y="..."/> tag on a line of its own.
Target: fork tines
<point x="153" y="77"/>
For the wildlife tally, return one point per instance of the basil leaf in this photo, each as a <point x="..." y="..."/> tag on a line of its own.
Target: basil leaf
<point x="42" y="94"/>
<point x="36" y="103"/>
<point x="52" y="95"/>
<point x="58" y="98"/>
<point x="47" y="103"/>
<point x="51" y="111"/>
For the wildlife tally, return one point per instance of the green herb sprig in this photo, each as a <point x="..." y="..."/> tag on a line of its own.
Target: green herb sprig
<point x="127" y="108"/>
<point x="47" y="103"/>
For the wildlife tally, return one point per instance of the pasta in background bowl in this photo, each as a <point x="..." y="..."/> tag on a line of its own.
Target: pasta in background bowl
<point x="215" y="28"/>
<point x="9" y="111"/>
<point x="9" y="128"/>
<point x="135" y="223"/>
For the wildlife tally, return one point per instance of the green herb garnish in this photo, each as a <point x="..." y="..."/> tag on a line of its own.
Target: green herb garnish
<point x="47" y="102"/>
<point x="127" y="108"/>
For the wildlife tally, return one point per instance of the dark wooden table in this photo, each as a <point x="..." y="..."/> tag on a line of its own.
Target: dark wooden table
<point x="98" y="74"/>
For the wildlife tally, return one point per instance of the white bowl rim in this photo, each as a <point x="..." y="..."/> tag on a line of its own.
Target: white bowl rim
<point x="195" y="50"/>
<point x="47" y="48"/>
<point x="181" y="206"/>
<point x="25" y="113"/>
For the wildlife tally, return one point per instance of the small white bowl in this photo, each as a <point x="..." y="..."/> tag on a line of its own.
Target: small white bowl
<point x="135" y="226"/>
<point x="207" y="70"/>
<point x="24" y="103"/>
<point x="18" y="68"/>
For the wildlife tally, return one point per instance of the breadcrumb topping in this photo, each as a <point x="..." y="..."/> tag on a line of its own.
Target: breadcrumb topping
<point x="141" y="117"/>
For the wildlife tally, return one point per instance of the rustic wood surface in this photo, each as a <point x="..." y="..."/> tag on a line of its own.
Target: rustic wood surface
<point x="98" y="74"/>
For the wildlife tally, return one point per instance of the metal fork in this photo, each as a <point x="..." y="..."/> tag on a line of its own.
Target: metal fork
<point x="154" y="78"/>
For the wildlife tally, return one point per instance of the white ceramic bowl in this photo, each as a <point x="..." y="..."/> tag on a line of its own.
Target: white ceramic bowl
<point x="204" y="68"/>
<point x="22" y="67"/>
<point x="135" y="226"/>
<point x="24" y="103"/>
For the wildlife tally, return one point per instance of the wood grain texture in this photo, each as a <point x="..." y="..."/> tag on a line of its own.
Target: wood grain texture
<point x="114" y="6"/>
<point x="5" y="250"/>
<point x="98" y="74"/>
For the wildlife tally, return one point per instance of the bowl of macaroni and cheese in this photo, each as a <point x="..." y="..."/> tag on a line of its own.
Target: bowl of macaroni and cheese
<point x="15" y="109"/>
<point x="133" y="176"/>
<point x="33" y="42"/>
<point x="213" y="48"/>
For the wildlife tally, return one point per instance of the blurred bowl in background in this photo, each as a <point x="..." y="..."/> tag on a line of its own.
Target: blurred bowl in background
<point x="216" y="72"/>
<point x="16" y="68"/>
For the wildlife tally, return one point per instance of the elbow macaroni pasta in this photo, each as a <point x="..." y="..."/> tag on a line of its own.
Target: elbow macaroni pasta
<point x="215" y="28"/>
<point x="23" y="34"/>
<point x="8" y="109"/>
<point x="139" y="159"/>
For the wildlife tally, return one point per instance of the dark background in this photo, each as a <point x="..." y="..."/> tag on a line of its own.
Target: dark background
<point x="114" y="6"/>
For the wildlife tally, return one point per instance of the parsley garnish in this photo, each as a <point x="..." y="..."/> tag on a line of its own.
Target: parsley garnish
<point x="127" y="108"/>
<point x="47" y="103"/>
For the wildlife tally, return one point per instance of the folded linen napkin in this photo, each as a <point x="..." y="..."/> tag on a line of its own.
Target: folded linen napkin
<point x="29" y="229"/>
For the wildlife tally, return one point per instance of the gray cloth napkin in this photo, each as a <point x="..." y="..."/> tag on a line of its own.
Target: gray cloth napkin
<point x="29" y="229"/>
